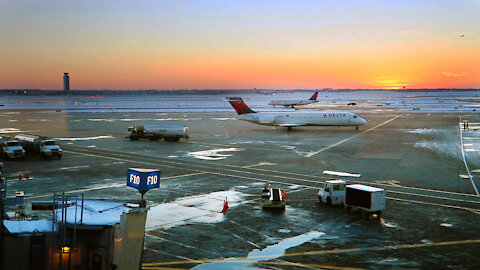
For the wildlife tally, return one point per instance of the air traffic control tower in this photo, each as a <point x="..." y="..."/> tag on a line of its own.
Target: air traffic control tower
<point x="66" y="82"/>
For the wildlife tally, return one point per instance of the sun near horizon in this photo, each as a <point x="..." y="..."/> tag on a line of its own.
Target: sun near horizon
<point x="240" y="44"/>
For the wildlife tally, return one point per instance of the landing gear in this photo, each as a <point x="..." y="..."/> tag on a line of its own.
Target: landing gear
<point x="289" y="128"/>
<point x="356" y="127"/>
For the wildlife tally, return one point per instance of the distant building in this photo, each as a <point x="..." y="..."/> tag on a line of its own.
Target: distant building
<point x="66" y="82"/>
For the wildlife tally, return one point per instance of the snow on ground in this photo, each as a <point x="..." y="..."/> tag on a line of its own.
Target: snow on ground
<point x="86" y="138"/>
<point x="420" y="131"/>
<point x="342" y="173"/>
<point x="205" y="208"/>
<point x="222" y="118"/>
<point x="213" y="154"/>
<point x="9" y="130"/>
<point x="269" y="253"/>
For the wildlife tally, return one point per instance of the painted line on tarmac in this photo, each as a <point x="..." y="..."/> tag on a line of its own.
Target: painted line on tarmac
<point x="169" y="254"/>
<point x="434" y="204"/>
<point x="116" y="185"/>
<point x="311" y="154"/>
<point x="474" y="211"/>
<point x="299" y="174"/>
<point x="320" y="252"/>
<point x="256" y="179"/>
<point x="170" y="241"/>
<point x="463" y="156"/>
<point x="284" y="263"/>
<point x="433" y="197"/>
<point x="241" y="145"/>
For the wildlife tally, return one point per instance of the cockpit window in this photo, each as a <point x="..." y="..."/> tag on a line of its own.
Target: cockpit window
<point x="354" y="116"/>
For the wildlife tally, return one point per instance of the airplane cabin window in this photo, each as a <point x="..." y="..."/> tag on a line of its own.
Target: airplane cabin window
<point x="354" y="116"/>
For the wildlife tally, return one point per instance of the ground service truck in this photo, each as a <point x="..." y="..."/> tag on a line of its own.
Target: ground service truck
<point x="333" y="192"/>
<point x="369" y="200"/>
<point x="11" y="149"/>
<point x="47" y="147"/>
<point x="156" y="132"/>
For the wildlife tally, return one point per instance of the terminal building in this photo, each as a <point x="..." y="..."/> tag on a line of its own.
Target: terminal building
<point x="83" y="234"/>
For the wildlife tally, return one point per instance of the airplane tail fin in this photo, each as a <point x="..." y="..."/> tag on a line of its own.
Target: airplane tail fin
<point x="314" y="97"/>
<point x="239" y="106"/>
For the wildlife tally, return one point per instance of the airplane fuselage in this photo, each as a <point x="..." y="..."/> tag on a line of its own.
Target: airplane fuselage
<point x="288" y="103"/>
<point x="292" y="119"/>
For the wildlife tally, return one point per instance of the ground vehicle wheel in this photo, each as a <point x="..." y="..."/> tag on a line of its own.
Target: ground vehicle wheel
<point x="329" y="201"/>
<point x="43" y="156"/>
<point x="320" y="200"/>
<point x="59" y="156"/>
<point x="152" y="139"/>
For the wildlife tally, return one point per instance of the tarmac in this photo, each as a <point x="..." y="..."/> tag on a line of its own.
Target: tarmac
<point x="432" y="213"/>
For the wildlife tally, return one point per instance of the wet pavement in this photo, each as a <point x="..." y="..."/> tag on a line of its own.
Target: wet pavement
<point x="432" y="212"/>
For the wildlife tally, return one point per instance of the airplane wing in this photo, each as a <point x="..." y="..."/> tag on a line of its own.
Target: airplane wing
<point x="292" y="125"/>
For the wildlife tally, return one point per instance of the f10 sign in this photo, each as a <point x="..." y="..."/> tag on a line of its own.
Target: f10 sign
<point x="143" y="179"/>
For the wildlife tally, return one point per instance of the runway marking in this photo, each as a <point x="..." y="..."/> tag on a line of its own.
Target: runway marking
<point x="242" y="145"/>
<point x="433" y="197"/>
<point x="311" y="154"/>
<point x="289" y="173"/>
<point x="285" y="263"/>
<point x="474" y="211"/>
<point x="265" y="180"/>
<point x="321" y="252"/>
<point x="115" y="185"/>
<point x="463" y="156"/>
<point x="434" y="204"/>
<point x="169" y="254"/>
<point x="170" y="241"/>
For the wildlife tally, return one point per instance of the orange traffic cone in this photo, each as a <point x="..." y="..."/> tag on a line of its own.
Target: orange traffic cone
<point x="225" y="206"/>
<point x="20" y="175"/>
<point x="27" y="175"/>
<point x="284" y="194"/>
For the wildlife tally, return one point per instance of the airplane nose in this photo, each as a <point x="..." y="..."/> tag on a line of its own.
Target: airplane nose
<point x="362" y="121"/>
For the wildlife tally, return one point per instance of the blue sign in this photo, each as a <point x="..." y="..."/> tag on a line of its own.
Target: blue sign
<point x="143" y="179"/>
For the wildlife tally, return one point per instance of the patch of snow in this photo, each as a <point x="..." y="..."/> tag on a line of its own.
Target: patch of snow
<point x="448" y="225"/>
<point x="28" y="226"/>
<point x="342" y="173"/>
<point x="269" y="253"/>
<point x="213" y="154"/>
<point x="86" y="138"/>
<point x="222" y="119"/>
<point x="256" y="184"/>
<point x="420" y="131"/>
<point x="10" y="130"/>
<point x="96" y="212"/>
<point x="205" y="208"/>
<point x="101" y="120"/>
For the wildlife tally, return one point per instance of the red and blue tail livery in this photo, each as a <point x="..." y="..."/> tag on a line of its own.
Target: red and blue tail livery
<point x="239" y="106"/>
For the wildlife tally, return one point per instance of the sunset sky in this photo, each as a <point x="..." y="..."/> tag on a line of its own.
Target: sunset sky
<point x="230" y="44"/>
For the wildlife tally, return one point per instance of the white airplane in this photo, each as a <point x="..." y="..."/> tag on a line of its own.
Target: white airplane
<point x="294" y="102"/>
<point x="295" y="118"/>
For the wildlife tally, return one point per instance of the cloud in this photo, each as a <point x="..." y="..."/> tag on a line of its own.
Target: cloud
<point x="454" y="74"/>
